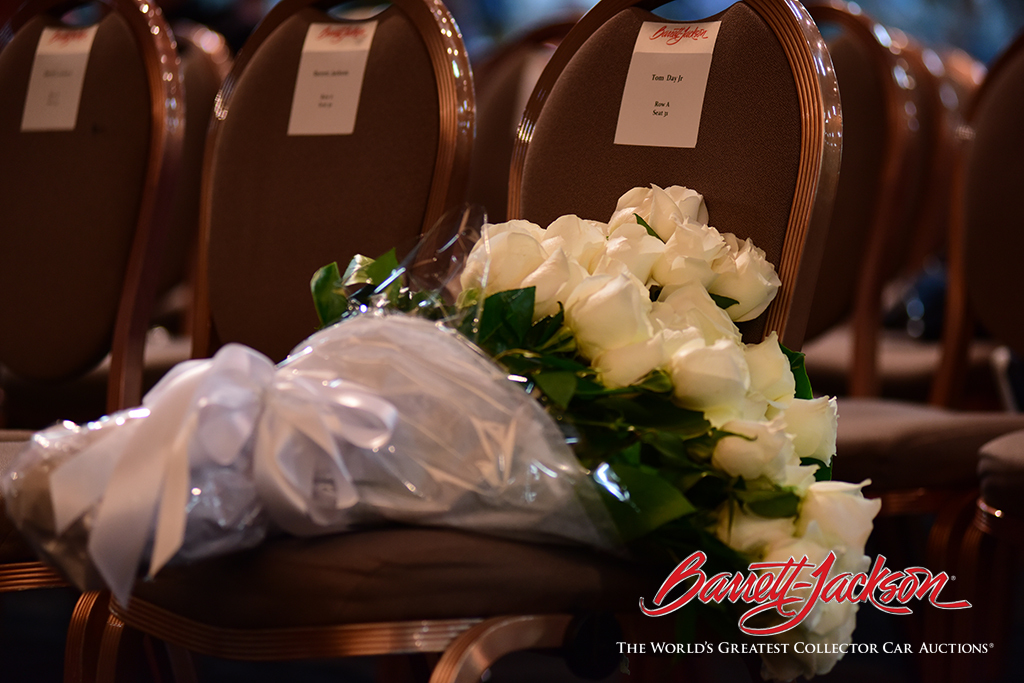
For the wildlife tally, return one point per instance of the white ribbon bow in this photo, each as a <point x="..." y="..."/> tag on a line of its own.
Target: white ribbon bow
<point x="137" y="476"/>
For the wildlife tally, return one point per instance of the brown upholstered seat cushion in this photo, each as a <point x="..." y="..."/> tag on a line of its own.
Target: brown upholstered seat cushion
<point x="13" y="547"/>
<point x="906" y="445"/>
<point x="396" y="574"/>
<point x="906" y="366"/>
<point x="1001" y="471"/>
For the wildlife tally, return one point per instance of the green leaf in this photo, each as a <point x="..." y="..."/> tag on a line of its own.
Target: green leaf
<point x="355" y="272"/>
<point x="380" y="269"/>
<point x="650" y="230"/>
<point x="803" y="382"/>
<point x="723" y="301"/>
<point x="770" y="502"/>
<point x="558" y="386"/>
<point x="329" y="297"/>
<point x="505" y="320"/>
<point x="651" y="501"/>
<point x="824" y="472"/>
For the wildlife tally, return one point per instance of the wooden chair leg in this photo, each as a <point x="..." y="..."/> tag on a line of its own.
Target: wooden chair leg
<point x="110" y="646"/>
<point x="81" y="651"/>
<point x="477" y="649"/>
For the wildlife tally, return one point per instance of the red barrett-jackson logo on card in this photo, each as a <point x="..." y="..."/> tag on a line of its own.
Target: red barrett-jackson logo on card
<point x="770" y="590"/>
<point x="677" y="33"/>
<point x="336" y="34"/>
<point x="68" y="36"/>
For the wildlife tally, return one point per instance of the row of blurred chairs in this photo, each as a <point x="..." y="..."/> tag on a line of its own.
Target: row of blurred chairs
<point x="276" y="207"/>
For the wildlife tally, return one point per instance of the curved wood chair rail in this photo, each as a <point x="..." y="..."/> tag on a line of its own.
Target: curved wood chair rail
<point x="820" y="142"/>
<point x="900" y="118"/>
<point x="456" y="106"/>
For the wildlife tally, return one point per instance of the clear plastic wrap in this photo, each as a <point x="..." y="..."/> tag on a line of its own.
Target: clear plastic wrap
<point x="383" y="417"/>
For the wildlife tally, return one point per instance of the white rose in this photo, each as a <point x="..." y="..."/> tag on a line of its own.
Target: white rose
<point x="842" y="513"/>
<point x="632" y="246"/>
<point x="607" y="312"/>
<point x="582" y="240"/>
<point x="712" y="379"/>
<point x="505" y="255"/>
<point x="662" y="209"/>
<point x="748" y="278"/>
<point x="690" y="305"/>
<point x="751" y="534"/>
<point x="688" y="255"/>
<point x="760" y="449"/>
<point x="628" y="364"/>
<point x="812" y="424"/>
<point x="554" y="281"/>
<point x="771" y="376"/>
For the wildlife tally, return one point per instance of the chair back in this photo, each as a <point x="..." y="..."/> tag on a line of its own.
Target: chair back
<point x="887" y="119"/>
<point x="85" y="208"/>
<point x="986" y="235"/>
<point x="766" y="155"/>
<point x="275" y="207"/>
<point x="503" y="84"/>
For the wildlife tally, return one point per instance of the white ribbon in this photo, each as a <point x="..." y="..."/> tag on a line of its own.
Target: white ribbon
<point x="138" y="476"/>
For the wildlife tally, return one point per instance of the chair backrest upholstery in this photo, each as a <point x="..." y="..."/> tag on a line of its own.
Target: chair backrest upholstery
<point x="84" y="210"/>
<point x="987" y="225"/>
<point x="886" y="122"/>
<point x="766" y="156"/>
<point x="502" y="83"/>
<point x="277" y="207"/>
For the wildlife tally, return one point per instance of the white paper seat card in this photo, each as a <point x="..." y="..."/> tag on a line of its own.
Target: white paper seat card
<point x="664" y="92"/>
<point x="55" y="85"/>
<point x="330" y="78"/>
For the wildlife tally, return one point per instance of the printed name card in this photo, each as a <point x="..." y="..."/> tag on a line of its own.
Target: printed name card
<point x="664" y="92"/>
<point x="330" y="78"/>
<point x="55" y="84"/>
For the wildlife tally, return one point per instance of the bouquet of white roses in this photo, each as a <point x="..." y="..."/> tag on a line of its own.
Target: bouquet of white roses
<point x="626" y="331"/>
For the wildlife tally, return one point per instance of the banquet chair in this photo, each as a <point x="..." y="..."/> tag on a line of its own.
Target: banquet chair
<point x="275" y="207"/>
<point x="890" y="112"/>
<point x="503" y="82"/>
<point x="766" y="158"/>
<point x="471" y="597"/>
<point x="99" y="241"/>
<point x="987" y="215"/>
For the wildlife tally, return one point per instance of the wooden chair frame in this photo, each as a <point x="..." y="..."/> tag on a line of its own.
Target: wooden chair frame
<point x="820" y="142"/>
<point x="456" y="104"/>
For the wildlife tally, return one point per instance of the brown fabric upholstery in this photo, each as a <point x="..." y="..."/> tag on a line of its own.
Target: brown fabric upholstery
<point x="992" y="207"/>
<point x="284" y="206"/>
<point x="1001" y="471"/>
<point x="497" y="97"/>
<point x="906" y="366"/>
<point x="396" y="574"/>
<point x="71" y="204"/>
<point x="747" y="152"/>
<point x="905" y="445"/>
<point x="864" y="139"/>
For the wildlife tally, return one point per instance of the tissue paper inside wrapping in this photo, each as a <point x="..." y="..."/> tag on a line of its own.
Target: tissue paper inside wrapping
<point x="470" y="449"/>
